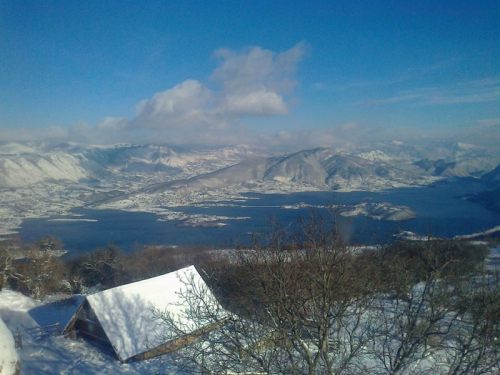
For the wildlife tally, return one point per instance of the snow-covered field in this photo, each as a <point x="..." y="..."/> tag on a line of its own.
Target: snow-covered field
<point x="59" y="355"/>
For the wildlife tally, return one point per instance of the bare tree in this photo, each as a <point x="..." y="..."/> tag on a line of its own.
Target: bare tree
<point x="8" y="250"/>
<point x="102" y="266"/>
<point x="424" y="313"/>
<point x="473" y="345"/>
<point x="299" y="304"/>
<point x="31" y="269"/>
<point x="39" y="273"/>
<point x="300" y="301"/>
<point x="48" y="243"/>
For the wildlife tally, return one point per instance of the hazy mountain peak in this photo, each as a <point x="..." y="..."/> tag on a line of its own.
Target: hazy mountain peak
<point x="493" y="177"/>
<point x="375" y="155"/>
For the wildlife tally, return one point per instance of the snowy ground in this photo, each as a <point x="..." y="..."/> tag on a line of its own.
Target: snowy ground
<point x="63" y="356"/>
<point x="59" y="355"/>
<point x="493" y="260"/>
<point x="9" y="359"/>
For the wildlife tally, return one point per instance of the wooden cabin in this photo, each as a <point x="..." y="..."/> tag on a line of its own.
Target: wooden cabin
<point x="123" y="319"/>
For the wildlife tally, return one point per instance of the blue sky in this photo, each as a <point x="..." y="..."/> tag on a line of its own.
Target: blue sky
<point x="297" y="73"/>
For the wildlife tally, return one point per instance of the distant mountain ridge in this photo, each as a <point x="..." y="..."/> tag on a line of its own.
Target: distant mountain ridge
<point x="383" y="165"/>
<point x="28" y="164"/>
<point x="39" y="179"/>
<point x="29" y="169"/>
<point x="490" y="198"/>
<point x="492" y="178"/>
<point x="322" y="168"/>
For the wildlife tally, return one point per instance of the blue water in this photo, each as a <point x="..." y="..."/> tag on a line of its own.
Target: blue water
<point x="440" y="212"/>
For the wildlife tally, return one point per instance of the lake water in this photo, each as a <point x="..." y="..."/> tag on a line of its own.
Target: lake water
<point x="440" y="212"/>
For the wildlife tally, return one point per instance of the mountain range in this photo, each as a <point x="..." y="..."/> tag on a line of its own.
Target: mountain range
<point x="321" y="168"/>
<point x="369" y="167"/>
<point x="491" y="197"/>
<point x="40" y="179"/>
<point x="28" y="164"/>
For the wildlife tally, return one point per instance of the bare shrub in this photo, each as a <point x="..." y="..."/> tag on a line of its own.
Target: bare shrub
<point x="299" y="302"/>
<point x="303" y="302"/>
<point x="36" y="271"/>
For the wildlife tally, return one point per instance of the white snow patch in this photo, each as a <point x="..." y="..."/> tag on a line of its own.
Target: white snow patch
<point x="9" y="360"/>
<point x="282" y="179"/>
<point x="375" y="155"/>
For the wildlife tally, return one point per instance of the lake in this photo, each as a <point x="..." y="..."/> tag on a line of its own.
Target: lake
<point x="440" y="210"/>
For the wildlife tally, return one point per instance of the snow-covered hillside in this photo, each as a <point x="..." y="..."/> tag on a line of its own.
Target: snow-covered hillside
<point x="29" y="169"/>
<point x="28" y="164"/>
<point x="58" y="355"/>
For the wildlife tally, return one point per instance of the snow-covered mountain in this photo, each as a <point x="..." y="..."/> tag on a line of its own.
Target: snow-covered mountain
<point x="321" y="168"/>
<point x="446" y="159"/>
<point x="28" y="164"/>
<point x="28" y="169"/>
<point x="490" y="198"/>
<point x="43" y="179"/>
<point x="493" y="178"/>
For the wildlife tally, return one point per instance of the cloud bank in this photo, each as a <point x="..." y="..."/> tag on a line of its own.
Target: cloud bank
<point x="259" y="83"/>
<point x="478" y="91"/>
<point x="248" y="83"/>
<point x="253" y="82"/>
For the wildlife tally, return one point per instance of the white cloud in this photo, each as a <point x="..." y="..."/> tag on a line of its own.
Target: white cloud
<point x="256" y="67"/>
<point x="255" y="103"/>
<point x="183" y="105"/>
<point x="341" y="136"/>
<point x="349" y="126"/>
<point x="243" y="71"/>
<point x="112" y="123"/>
<point x="478" y="91"/>
<point x="321" y="86"/>
<point x="490" y="122"/>
<point x="252" y="82"/>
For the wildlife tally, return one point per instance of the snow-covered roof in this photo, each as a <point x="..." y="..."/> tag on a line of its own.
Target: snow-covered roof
<point x="125" y="312"/>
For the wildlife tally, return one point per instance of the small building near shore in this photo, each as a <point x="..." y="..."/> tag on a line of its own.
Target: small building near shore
<point x="126" y="318"/>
